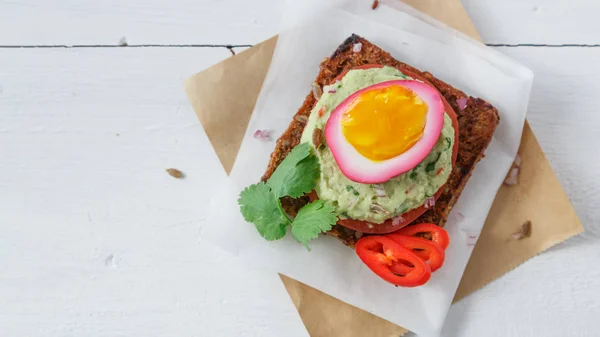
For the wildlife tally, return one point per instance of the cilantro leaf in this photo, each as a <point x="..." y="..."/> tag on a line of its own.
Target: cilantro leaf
<point x="297" y="174"/>
<point x="313" y="219"/>
<point x="260" y="206"/>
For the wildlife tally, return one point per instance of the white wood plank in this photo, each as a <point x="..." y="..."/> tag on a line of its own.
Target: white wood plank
<point x="535" y="21"/>
<point x="555" y="293"/>
<point x="76" y="22"/>
<point x="96" y="238"/>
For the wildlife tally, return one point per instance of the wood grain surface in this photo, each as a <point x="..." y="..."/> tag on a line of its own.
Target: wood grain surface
<point x="96" y="239"/>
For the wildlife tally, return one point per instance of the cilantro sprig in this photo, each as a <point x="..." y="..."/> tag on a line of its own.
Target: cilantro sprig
<point x="296" y="175"/>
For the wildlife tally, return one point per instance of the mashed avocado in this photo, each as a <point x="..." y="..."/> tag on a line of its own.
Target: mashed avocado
<point x="376" y="203"/>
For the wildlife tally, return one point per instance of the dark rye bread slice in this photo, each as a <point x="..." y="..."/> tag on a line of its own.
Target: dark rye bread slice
<point x="477" y="123"/>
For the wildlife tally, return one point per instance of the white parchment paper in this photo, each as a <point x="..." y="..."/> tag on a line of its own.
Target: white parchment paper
<point x="308" y="37"/>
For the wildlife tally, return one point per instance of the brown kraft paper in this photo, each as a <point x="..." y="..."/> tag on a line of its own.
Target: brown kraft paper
<point x="538" y="197"/>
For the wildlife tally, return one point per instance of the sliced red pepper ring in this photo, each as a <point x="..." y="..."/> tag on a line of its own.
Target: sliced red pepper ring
<point x="428" y="231"/>
<point x="426" y="250"/>
<point x="392" y="262"/>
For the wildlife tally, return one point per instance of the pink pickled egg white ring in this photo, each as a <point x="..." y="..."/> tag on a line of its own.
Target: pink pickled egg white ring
<point x="363" y="170"/>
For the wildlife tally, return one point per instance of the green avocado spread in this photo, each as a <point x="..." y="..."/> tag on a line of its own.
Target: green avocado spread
<point x="375" y="203"/>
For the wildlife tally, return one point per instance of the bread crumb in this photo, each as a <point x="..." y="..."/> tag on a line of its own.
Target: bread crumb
<point x="175" y="173"/>
<point x="375" y="4"/>
<point x="523" y="232"/>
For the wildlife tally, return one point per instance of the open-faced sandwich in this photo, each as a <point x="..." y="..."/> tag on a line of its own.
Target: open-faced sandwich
<point x="377" y="156"/>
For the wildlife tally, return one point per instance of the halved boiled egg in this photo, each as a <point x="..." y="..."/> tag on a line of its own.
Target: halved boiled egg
<point x="385" y="129"/>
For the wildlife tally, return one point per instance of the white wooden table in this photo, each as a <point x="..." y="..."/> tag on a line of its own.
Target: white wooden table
<point x="97" y="240"/>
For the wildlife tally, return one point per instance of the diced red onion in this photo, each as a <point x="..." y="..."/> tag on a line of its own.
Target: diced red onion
<point x="429" y="202"/>
<point x="357" y="47"/>
<point x="332" y="91"/>
<point x="379" y="190"/>
<point x="397" y="220"/>
<point x="513" y="177"/>
<point x="472" y="239"/>
<point x="462" y="103"/>
<point x="470" y="235"/>
<point x="264" y="135"/>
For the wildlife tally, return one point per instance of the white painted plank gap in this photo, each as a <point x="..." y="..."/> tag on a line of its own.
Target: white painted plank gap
<point x="96" y="238"/>
<point x="80" y="22"/>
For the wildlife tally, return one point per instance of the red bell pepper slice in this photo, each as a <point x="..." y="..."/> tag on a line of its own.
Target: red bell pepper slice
<point x="428" y="231"/>
<point x="426" y="250"/>
<point x="392" y="262"/>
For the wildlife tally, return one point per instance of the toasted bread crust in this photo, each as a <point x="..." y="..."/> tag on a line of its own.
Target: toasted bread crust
<point x="477" y="123"/>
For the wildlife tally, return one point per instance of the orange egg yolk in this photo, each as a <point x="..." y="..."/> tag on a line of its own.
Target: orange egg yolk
<point x="384" y="123"/>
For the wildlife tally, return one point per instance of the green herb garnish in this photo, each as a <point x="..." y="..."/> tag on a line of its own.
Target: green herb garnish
<point x="431" y="166"/>
<point x="401" y="210"/>
<point x="352" y="189"/>
<point x="413" y="175"/>
<point x="449" y="143"/>
<point x="296" y="175"/>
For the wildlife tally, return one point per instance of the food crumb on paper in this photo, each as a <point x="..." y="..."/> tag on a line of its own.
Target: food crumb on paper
<point x="123" y="42"/>
<point x="471" y="240"/>
<point x="512" y="178"/>
<point x="375" y="4"/>
<point x="175" y="173"/>
<point x="523" y="232"/>
<point x="264" y="135"/>
<point x="470" y="236"/>
<point x="110" y="261"/>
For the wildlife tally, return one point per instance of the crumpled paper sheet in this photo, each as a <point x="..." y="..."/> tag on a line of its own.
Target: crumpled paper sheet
<point x="538" y="198"/>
